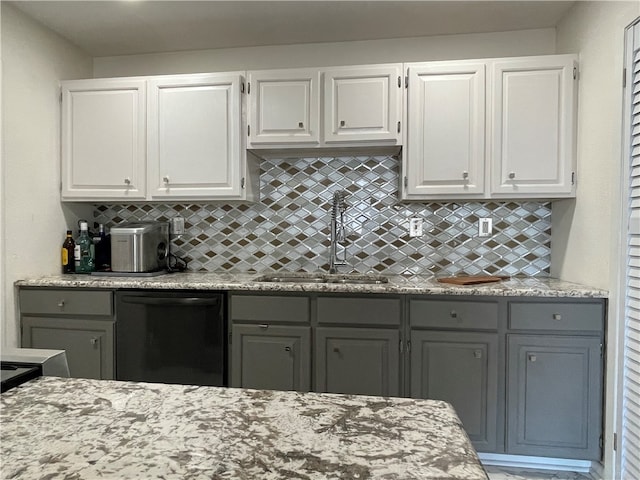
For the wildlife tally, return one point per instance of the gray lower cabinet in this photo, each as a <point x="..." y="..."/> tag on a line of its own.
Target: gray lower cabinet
<point x="460" y="368"/>
<point x="357" y="360"/>
<point x="271" y="357"/>
<point x="78" y="321"/>
<point x="554" y="391"/>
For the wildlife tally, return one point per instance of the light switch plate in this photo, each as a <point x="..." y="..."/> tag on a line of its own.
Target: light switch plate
<point x="177" y="225"/>
<point x="485" y="227"/>
<point x="415" y="227"/>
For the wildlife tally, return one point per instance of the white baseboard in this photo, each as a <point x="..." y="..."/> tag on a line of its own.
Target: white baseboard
<point x="540" y="463"/>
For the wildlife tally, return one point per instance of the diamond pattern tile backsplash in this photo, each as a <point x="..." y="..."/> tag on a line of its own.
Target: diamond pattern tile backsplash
<point x="288" y="229"/>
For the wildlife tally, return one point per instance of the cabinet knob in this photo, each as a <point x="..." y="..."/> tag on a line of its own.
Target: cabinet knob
<point x="512" y="175"/>
<point x="336" y="349"/>
<point x="532" y="358"/>
<point x="287" y="349"/>
<point x="300" y="124"/>
<point x="557" y="316"/>
<point x="477" y="353"/>
<point x="453" y="314"/>
<point x="263" y="325"/>
<point x="61" y="303"/>
<point x="165" y="179"/>
<point x="342" y="123"/>
<point x="94" y="341"/>
<point x="465" y="175"/>
<point x="127" y="181"/>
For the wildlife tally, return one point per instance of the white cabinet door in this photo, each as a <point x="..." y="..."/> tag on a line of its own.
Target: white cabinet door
<point x="363" y="104"/>
<point x="444" y="154"/>
<point x="284" y="107"/>
<point x="532" y="114"/>
<point x="195" y="147"/>
<point x="103" y="139"/>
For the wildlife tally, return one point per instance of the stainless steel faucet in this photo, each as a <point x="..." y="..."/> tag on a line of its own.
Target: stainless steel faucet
<point x="338" y="235"/>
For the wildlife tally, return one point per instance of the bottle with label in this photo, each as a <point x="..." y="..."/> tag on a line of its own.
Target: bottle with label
<point x="68" y="254"/>
<point x="102" y="248"/>
<point x="83" y="255"/>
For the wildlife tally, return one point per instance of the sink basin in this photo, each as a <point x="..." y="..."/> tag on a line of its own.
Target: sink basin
<point x="351" y="279"/>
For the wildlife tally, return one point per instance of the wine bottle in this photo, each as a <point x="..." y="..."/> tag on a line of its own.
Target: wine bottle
<point x="68" y="255"/>
<point x="85" y="262"/>
<point x="103" y="250"/>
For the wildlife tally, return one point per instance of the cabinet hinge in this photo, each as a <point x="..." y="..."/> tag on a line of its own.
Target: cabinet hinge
<point x="573" y="178"/>
<point x="248" y="130"/>
<point x="406" y="81"/>
<point x="615" y="442"/>
<point x="624" y="77"/>
<point x="398" y="126"/>
<point x="248" y="88"/>
<point x="401" y="346"/>
<point x="601" y="442"/>
<point x="60" y="96"/>
<point x="602" y="350"/>
<point x="242" y="87"/>
<point x="399" y="81"/>
<point x="575" y="72"/>
<point x="242" y="183"/>
<point x="406" y="182"/>
<point x="408" y="346"/>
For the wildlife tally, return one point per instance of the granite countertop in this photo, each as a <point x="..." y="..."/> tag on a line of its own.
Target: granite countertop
<point x="86" y="429"/>
<point x="418" y="285"/>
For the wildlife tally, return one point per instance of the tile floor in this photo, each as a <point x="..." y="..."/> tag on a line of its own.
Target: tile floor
<point x="508" y="473"/>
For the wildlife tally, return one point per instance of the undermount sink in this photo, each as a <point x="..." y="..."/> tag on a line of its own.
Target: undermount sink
<point x="352" y="279"/>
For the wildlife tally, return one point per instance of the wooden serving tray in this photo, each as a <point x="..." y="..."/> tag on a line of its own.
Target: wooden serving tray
<point x="470" y="280"/>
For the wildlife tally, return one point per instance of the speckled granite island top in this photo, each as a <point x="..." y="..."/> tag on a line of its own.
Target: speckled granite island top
<point x="417" y="285"/>
<point x="88" y="429"/>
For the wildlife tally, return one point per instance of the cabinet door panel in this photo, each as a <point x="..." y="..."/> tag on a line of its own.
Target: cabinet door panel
<point x="554" y="389"/>
<point x="446" y="115"/>
<point x="462" y="369"/>
<point x="532" y="117"/>
<point x="103" y="139"/>
<point x="194" y="136"/>
<point x="362" y="103"/>
<point x="271" y="357"/>
<point x="285" y="107"/>
<point x="357" y="361"/>
<point x="88" y="343"/>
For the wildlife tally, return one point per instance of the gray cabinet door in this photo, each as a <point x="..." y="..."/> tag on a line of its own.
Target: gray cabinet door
<point x="357" y="360"/>
<point x="88" y="343"/>
<point x="271" y="357"/>
<point x="462" y="369"/>
<point x="554" y="396"/>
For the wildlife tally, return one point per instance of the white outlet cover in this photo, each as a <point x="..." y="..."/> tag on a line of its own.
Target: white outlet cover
<point x="415" y="227"/>
<point x="485" y="227"/>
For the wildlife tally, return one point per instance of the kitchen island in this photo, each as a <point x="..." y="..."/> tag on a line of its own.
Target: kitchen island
<point x="85" y="429"/>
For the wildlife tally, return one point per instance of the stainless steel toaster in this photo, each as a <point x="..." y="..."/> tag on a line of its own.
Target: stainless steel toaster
<point x="139" y="247"/>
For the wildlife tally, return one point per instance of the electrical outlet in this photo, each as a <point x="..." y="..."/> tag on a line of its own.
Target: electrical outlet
<point x="415" y="227"/>
<point x="485" y="227"/>
<point x="177" y="225"/>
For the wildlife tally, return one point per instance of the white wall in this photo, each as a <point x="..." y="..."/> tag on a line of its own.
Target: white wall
<point x="582" y="228"/>
<point x="443" y="47"/>
<point x="586" y="231"/>
<point x="34" y="60"/>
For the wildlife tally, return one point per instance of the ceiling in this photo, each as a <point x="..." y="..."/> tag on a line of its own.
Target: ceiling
<point x="105" y="28"/>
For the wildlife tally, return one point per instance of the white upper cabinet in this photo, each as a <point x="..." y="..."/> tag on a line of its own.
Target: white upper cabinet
<point x="363" y="104"/>
<point x="103" y="139"/>
<point x="444" y="155"/>
<point x="284" y="107"/>
<point x="532" y="111"/>
<point x="194" y="143"/>
<point x="311" y="108"/>
<point x="176" y="137"/>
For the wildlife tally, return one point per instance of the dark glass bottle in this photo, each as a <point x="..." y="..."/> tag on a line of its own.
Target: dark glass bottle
<point x="68" y="264"/>
<point x="102" y="245"/>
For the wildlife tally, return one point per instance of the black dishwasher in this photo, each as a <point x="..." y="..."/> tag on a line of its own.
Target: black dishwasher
<point x="171" y="337"/>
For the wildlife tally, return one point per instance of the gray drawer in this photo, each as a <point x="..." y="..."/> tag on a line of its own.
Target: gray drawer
<point x="263" y="308"/>
<point x="470" y="315"/>
<point x="556" y="316"/>
<point x="52" y="301"/>
<point x="363" y="311"/>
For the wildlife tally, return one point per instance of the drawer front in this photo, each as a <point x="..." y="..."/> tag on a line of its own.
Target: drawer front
<point x="53" y="301"/>
<point x="358" y="311"/>
<point x="556" y="316"/>
<point x="259" y="308"/>
<point x="454" y="314"/>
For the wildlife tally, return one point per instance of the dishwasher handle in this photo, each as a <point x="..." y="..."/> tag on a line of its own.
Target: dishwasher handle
<point x="165" y="301"/>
